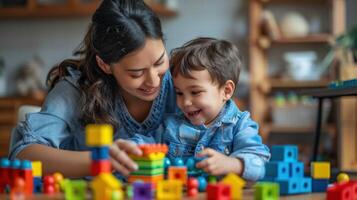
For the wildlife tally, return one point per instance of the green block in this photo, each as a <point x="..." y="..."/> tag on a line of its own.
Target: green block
<point x="129" y="191"/>
<point x="266" y="191"/>
<point x="74" y="189"/>
<point x="145" y="172"/>
<point x="150" y="164"/>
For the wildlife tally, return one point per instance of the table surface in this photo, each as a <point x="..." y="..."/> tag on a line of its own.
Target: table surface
<point x="330" y="92"/>
<point x="247" y="195"/>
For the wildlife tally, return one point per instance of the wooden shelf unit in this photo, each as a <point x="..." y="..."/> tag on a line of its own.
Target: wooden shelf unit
<point x="72" y="8"/>
<point x="261" y="85"/>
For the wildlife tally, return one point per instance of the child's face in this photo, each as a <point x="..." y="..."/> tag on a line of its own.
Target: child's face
<point x="200" y="99"/>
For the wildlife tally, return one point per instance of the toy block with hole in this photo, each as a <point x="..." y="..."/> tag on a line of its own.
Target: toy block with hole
<point x="340" y="191"/>
<point x="266" y="191"/>
<point x="279" y="170"/>
<point x="74" y="189"/>
<point x="284" y="153"/>
<point x="236" y="184"/>
<point x="15" y="170"/>
<point x="291" y="186"/>
<point x="104" y="185"/>
<point x="101" y="166"/>
<point x="178" y="173"/>
<point x="218" y="191"/>
<point x="98" y="135"/>
<point x="169" y="189"/>
<point x="36" y="168"/>
<point x="320" y="170"/>
<point x="142" y="191"/>
<point x="305" y="185"/>
<point x="100" y="153"/>
<point x="319" y="185"/>
<point x="296" y="169"/>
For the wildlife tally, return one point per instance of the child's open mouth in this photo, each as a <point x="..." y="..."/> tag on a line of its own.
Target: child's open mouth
<point x="194" y="113"/>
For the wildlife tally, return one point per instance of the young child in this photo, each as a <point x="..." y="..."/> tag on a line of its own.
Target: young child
<point x="205" y="73"/>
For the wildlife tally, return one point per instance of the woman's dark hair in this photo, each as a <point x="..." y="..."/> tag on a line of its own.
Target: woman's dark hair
<point x="219" y="57"/>
<point x="118" y="28"/>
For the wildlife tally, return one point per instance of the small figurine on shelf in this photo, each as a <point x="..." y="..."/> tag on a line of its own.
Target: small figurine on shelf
<point x="28" y="79"/>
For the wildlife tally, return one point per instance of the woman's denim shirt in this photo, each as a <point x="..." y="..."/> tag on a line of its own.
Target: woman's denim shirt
<point x="57" y="124"/>
<point x="233" y="133"/>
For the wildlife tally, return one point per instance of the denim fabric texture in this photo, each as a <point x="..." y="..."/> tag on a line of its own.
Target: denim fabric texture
<point x="57" y="124"/>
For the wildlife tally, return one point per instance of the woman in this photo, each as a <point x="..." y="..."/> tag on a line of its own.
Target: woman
<point x="121" y="79"/>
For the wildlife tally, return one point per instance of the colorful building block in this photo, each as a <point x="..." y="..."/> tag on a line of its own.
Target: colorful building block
<point x="339" y="192"/>
<point x="98" y="135"/>
<point x="178" y="173"/>
<point x="192" y="187"/>
<point x="74" y="189"/>
<point x="305" y="185"/>
<point x="100" y="153"/>
<point x="142" y="191"/>
<point x="296" y="169"/>
<point x="202" y="184"/>
<point x="36" y="168"/>
<point x="236" y="184"/>
<point x="169" y="189"/>
<point x="342" y="177"/>
<point x="153" y="148"/>
<point x="266" y="191"/>
<point x="26" y="175"/>
<point x="104" y="185"/>
<point x="58" y="177"/>
<point x="101" y="166"/>
<point x="148" y="179"/>
<point x="291" y="186"/>
<point x="5" y="174"/>
<point x="15" y="170"/>
<point x="319" y="185"/>
<point x="320" y="170"/>
<point x="285" y="153"/>
<point x="48" y="184"/>
<point x="147" y="172"/>
<point x="279" y="170"/>
<point x="218" y="191"/>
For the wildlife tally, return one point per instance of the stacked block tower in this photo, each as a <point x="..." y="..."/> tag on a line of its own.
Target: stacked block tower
<point x="105" y="186"/>
<point x="285" y="169"/>
<point x="320" y="174"/>
<point x="151" y="164"/>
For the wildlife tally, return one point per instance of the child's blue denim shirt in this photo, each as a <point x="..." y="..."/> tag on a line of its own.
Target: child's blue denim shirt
<point x="233" y="133"/>
<point x="57" y="124"/>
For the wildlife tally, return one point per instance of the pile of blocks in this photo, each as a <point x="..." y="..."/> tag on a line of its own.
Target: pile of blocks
<point x="105" y="185"/>
<point x="285" y="169"/>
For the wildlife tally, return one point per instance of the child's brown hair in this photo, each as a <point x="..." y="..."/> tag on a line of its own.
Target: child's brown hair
<point x="219" y="57"/>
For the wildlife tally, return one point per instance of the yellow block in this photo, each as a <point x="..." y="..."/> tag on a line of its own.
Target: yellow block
<point x="236" y="183"/>
<point x="104" y="185"/>
<point x="169" y="189"/>
<point x="36" y="168"/>
<point x="320" y="170"/>
<point x="99" y="135"/>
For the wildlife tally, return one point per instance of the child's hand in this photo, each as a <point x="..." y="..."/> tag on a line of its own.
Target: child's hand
<point x="219" y="164"/>
<point x="120" y="160"/>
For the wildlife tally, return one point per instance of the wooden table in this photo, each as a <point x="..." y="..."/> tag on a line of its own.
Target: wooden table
<point x="247" y="195"/>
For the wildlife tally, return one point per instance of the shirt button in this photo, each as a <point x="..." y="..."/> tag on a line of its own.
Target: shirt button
<point x="226" y="151"/>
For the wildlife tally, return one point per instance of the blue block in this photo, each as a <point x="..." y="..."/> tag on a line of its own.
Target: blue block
<point x="296" y="169"/>
<point x="37" y="185"/>
<point x="285" y="153"/>
<point x="143" y="191"/>
<point x="319" y="185"/>
<point x="289" y="186"/>
<point x="279" y="170"/>
<point x="305" y="185"/>
<point x="100" y="153"/>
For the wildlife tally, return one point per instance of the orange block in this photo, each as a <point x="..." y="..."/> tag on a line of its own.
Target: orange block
<point x="146" y="179"/>
<point x="153" y="148"/>
<point x="101" y="166"/>
<point x="178" y="173"/>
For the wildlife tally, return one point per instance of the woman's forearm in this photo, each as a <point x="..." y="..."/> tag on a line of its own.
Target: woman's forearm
<point x="69" y="163"/>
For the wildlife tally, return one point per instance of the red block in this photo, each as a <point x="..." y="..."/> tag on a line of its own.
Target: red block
<point x="101" y="166"/>
<point x="353" y="185"/>
<point x="4" y="178"/>
<point x="340" y="192"/>
<point x="15" y="173"/>
<point x="218" y="191"/>
<point x="26" y="174"/>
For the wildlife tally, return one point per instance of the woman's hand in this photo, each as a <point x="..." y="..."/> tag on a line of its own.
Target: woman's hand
<point x="120" y="160"/>
<point x="219" y="164"/>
